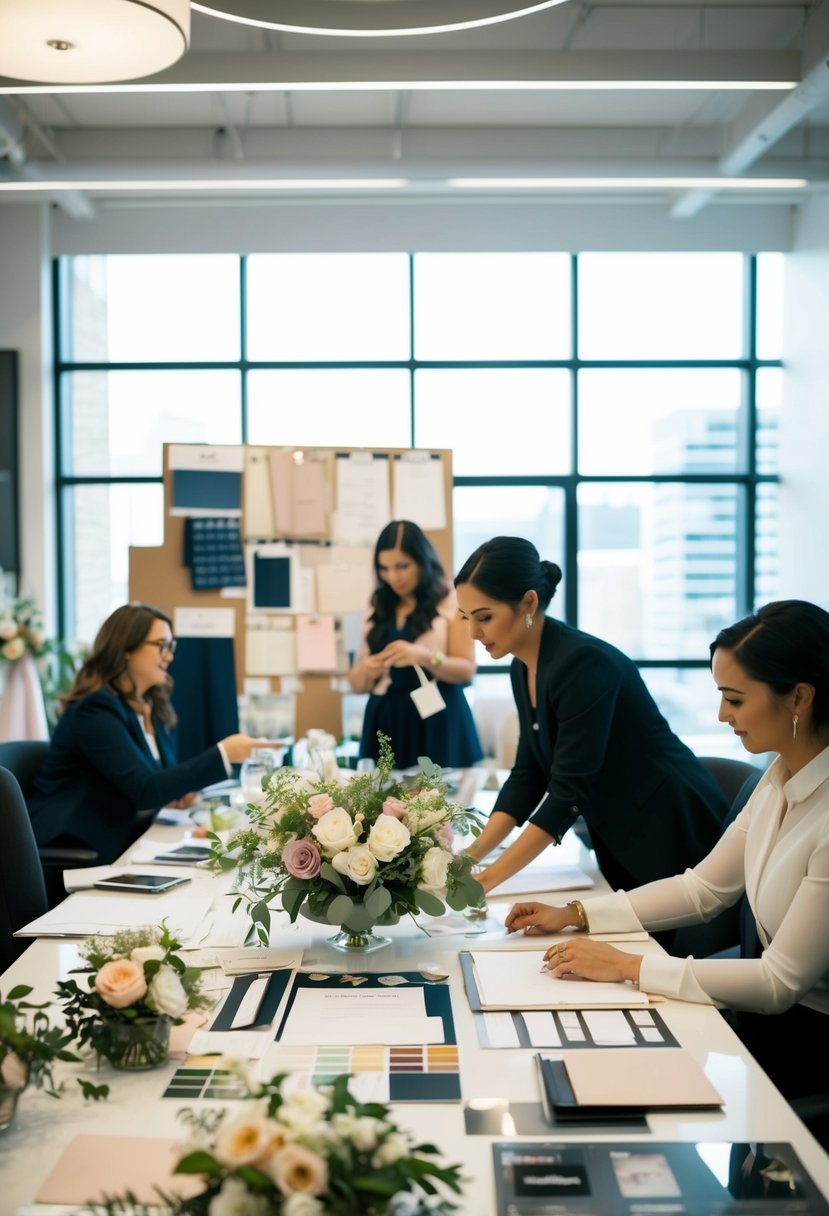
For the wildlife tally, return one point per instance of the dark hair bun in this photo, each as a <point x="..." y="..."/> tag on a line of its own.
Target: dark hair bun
<point x="553" y="574"/>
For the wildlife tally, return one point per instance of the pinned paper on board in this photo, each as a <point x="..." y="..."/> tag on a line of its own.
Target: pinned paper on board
<point x="273" y="578"/>
<point x="301" y="493"/>
<point x="270" y="649"/>
<point x="258" y="508"/>
<point x="206" y="479"/>
<point x="419" y="490"/>
<point x="316" y="643"/>
<point x="345" y="581"/>
<point x="363" y="499"/>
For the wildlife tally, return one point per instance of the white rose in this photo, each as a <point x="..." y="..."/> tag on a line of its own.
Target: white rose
<point x="8" y="629"/>
<point x="433" y="869"/>
<point x="301" y="1204"/>
<point x="302" y="1110"/>
<point x="13" y="650"/>
<point x="234" y="1199"/>
<point x="361" y="1131"/>
<point x="143" y="954"/>
<point x="358" y="864"/>
<point x="36" y="637"/>
<point x="388" y="837"/>
<point x="305" y="780"/>
<point x="167" y="993"/>
<point x="392" y="1149"/>
<point x="335" y="831"/>
<point x="420" y="816"/>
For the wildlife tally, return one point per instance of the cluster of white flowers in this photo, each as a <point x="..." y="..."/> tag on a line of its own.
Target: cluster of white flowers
<point x="121" y="982"/>
<point x="20" y="631"/>
<point x="338" y="837"/>
<point x="292" y="1148"/>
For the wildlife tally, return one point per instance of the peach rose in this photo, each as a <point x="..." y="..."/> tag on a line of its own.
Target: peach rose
<point x="247" y="1140"/>
<point x="395" y="806"/>
<point x="295" y="1168"/>
<point x="121" y="983"/>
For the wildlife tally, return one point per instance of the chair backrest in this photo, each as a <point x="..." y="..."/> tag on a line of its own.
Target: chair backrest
<point x="730" y="775"/>
<point x="22" y="891"/>
<point x="24" y="757"/>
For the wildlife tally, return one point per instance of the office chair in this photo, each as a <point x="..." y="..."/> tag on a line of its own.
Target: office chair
<point x="22" y="758"/>
<point x="736" y="779"/>
<point x="22" y="889"/>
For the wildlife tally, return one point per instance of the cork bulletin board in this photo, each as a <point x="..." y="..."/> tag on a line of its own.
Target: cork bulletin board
<point x="293" y="532"/>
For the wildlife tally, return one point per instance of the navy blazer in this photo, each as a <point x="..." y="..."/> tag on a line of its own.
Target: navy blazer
<point x="100" y="784"/>
<point x="603" y="750"/>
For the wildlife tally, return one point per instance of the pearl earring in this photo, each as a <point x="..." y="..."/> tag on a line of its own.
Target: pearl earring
<point x="794" y="726"/>
<point x="528" y="620"/>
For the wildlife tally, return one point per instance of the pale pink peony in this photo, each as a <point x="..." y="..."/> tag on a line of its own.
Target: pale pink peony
<point x="396" y="807"/>
<point x="121" y="983"/>
<point x="318" y="804"/>
<point x="301" y="858"/>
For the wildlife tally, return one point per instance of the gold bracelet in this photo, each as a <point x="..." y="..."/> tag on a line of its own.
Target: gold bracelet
<point x="578" y="908"/>
<point x="437" y="658"/>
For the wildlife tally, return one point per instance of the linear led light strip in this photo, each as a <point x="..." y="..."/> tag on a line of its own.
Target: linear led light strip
<point x="458" y="183"/>
<point x="435" y="86"/>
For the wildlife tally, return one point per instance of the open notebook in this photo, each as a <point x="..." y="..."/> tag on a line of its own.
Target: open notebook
<point x="515" y="980"/>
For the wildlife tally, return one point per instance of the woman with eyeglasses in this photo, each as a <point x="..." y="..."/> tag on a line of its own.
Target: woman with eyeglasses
<point x="112" y="761"/>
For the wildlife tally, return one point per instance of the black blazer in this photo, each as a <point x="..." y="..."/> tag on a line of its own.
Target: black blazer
<point x="100" y="784"/>
<point x="603" y="750"/>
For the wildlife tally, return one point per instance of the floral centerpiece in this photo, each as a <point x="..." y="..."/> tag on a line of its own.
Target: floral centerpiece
<point x="21" y="631"/>
<point x="22" y="636"/>
<point x="30" y="1046"/>
<point x="138" y="987"/>
<point x="306" y="1153"/>
<point x="356" y="849"/>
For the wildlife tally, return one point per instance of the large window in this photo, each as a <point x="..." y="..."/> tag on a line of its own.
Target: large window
<point x="620" y="410"/>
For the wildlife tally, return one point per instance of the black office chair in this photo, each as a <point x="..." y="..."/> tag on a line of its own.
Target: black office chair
<point x="23" y="758"/>
<point x="22" y="890"/>
<point x="736" y="779"/>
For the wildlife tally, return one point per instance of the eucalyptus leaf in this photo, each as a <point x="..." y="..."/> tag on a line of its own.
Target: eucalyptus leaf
<point x="429" y="903"/>
<point x="378" y="902"/>
<point x="339" y="910"/>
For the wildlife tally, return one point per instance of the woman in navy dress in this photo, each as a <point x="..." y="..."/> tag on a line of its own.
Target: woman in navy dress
<point x="413" y="620"/>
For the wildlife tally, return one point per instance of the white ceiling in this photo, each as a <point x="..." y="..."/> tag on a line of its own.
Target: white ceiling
<point x="246" y="103"/>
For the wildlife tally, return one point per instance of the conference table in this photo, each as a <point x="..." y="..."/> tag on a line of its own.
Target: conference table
<point x="753" y="1110"/>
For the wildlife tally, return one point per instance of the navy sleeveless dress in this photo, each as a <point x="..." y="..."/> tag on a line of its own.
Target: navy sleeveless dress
<point x="448" y="738"/>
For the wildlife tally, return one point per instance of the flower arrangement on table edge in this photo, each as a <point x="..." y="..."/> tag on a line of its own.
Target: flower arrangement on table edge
<point x="356" y="848"/>
<point x="304" y="1153"/>
<point x="21" y="634"/>
<point x="30" y="1046"/>
<point x="138" y="986"/>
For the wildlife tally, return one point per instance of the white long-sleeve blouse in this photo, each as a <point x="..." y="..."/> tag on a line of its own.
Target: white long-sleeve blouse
<point x="777" y="850"/>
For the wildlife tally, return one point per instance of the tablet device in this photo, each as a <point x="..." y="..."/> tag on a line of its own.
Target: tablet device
<point x="148" y="883"/>
<point x="184" y="855"/>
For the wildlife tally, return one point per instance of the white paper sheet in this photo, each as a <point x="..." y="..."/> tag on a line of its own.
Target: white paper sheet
<point x="363" y="499"/>
<point x="544" y="878"/>
<point x="515" y="980"/>
<point x="419" y="492"/>
<point x="104" y="912"/>
<point x="609" y="1026"/>
<point x="500" y="1030"/>
<point x="541" y="1028"/>
<point x="361" y="1016"/>
<point x="259" y="958"/>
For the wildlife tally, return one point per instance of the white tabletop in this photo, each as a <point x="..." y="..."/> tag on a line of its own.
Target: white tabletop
<point x="753" y="1109"/>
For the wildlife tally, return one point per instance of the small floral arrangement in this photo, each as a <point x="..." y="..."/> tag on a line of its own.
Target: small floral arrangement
<point x="356" y="850"/>
<point x="138" y="987"/>
<point x="306" y="1153"/>
<point x="21" y="631"/>
<point x="30" y="1046"/>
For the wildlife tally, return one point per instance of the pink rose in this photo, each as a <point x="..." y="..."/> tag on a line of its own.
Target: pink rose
<point x="319" y="804"/>
<point x="396" y="807"/>
<point x="121" y="983"/>
<point x="301" y="858"/>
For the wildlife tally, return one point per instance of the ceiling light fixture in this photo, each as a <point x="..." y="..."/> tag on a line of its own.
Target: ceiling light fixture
<point x="627" y="183"/>
<point x="377" y="19"/>
<point x="213" y="183"/>
<point x="91" y="40"/>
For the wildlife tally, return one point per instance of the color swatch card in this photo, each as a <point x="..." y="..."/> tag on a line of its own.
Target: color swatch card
<point x="213" y="552"/>
<point x="205" y="479"/>
<point x="573" y="1028"/>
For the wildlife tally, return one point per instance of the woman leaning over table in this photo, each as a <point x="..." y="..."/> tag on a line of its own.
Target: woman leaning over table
<point x="413" y="619"/>
<point x="112" y="760"/>
<point x="772" y="670"/>
<point x="592" y="741"/>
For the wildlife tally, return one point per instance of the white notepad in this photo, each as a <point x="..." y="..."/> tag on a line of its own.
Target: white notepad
<point x="507" y="980"/>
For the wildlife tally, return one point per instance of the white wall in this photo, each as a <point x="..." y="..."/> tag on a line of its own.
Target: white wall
<point x="25" y="326"/>
<point x="804" y="507"/>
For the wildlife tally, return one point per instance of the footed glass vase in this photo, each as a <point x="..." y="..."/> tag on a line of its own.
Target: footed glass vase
<point x="141" y="1043"/>
<point x="358" y="936"/>
<point x="8" y="1104"/>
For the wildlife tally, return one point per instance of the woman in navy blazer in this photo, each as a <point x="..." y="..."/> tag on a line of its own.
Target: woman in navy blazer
<point x="592" y="741"/>
<point x="112" y="761"/>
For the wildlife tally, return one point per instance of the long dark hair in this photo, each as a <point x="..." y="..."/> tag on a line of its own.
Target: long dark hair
<point x="432" y="588"/>
<point x="506" y="568"/>
<point x="106" y="665"/>
<point x="784" y="644"/>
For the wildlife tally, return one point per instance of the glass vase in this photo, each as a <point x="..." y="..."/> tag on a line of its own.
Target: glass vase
<point x="8" y="1104"/>
<point x="141" y="1043"/>
<point x="357" y="941"/>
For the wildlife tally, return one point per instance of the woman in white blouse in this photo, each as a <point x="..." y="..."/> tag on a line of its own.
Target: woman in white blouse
<point x="772" y="671"/>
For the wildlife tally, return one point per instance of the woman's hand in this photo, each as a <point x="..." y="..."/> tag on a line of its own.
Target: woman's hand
<point x="183" y="803"/>
<point x="538" y="918"/>
<point x="238" y="747"/>
<point x="404" y="654"/>
<point x="591" y="960"/>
